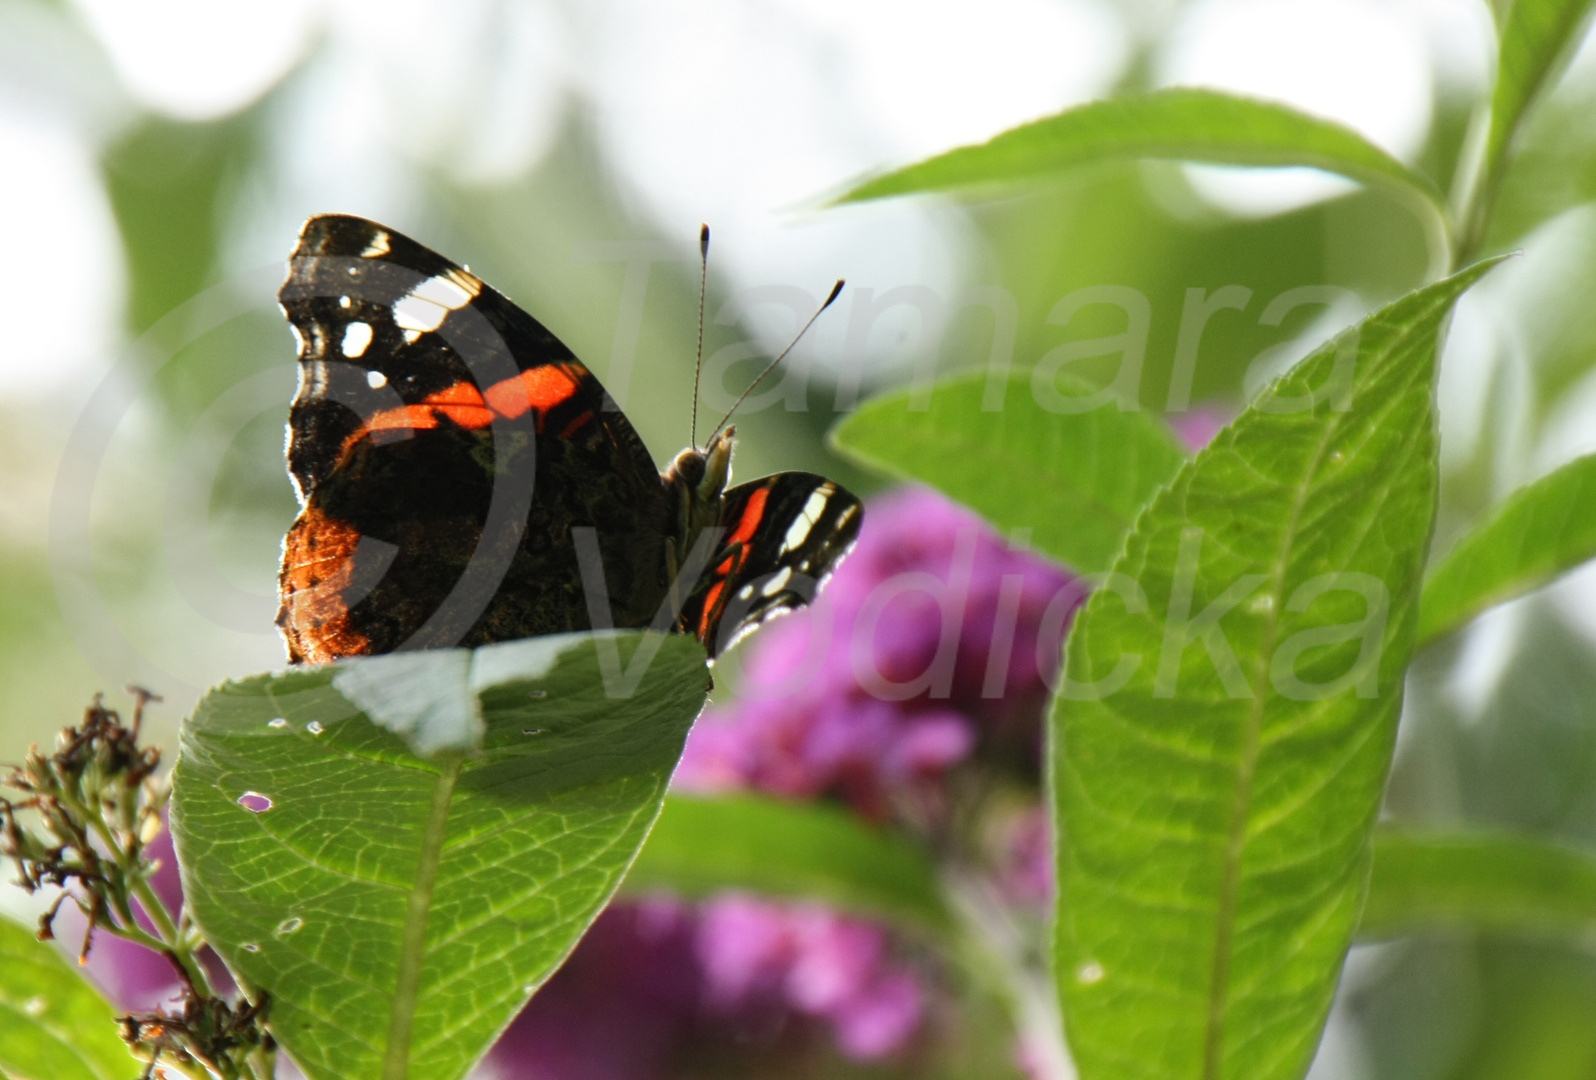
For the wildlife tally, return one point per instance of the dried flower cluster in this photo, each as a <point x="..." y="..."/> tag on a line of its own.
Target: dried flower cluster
<point x="85" y="822"/>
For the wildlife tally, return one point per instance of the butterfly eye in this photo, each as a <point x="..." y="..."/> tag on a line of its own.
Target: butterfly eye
<point x="689" y="465"/>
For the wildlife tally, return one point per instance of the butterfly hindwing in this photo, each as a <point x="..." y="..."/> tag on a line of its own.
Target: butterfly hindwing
<point x="783" y="535"/>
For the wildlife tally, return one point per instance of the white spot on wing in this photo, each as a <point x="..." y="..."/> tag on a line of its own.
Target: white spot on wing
<point x="451" y="290"/>
<point x="345" y="302"/>
<point x="377" y="246"/>
<point x="777" y="582"/>
<point x="376" y="380"/>
<point x="801" y="525"/>
<point x="425" y="307"/>
<point x="357" y="335"/>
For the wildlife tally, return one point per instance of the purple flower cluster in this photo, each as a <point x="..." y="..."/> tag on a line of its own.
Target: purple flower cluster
<point x="932" y="638"/>
<point x="815" y="962"/>
<point x="661" y="988"/>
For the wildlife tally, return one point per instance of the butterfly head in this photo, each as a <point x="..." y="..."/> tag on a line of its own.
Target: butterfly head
<point x="704" y="473"/>
<point x="696" y="480"/>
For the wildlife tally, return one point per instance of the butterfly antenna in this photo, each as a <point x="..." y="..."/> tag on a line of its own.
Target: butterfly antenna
<point x="703" y="288"/>
<point x="835" y="290"/>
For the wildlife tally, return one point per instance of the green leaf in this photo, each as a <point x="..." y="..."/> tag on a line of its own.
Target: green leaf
<point x="1179" y="123"/>
<point x="53" y="1025"/>
<point x="401" y="909"/>
<point x="1542" y="530"/>
<point x="1220" y="745"/>
<point x="1075" y="479"/>
<point x="1536" y="39"/>
<point x="790" y="851"/>
<point x="1475" y="881"/>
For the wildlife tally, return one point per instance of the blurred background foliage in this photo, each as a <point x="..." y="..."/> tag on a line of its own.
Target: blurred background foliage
<point x="158" y="158"/>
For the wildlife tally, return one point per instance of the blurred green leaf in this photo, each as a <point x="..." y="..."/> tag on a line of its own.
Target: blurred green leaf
<point x="169" y="184"/>
<point x="787" y="850"/>
<point x="1179" y="123"/>
<point x="1075" y="479"/>
<point x="1516" y="884"/>
<point x="53" y="1025"/>
<point x="1220" y="745"/>
<point x="401" y="909"/>
<point x="1542" y="530"/>
<point x="1537" y="37"/>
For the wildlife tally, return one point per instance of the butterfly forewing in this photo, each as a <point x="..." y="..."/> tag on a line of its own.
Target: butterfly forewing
<point x="439" y="428"/>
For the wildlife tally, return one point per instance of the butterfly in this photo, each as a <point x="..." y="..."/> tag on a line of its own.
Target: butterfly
<point x="463" y="478"/>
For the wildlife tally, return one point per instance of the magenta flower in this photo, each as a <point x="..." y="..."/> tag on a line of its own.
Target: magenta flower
<point x="813" y="961"/>
<point x="661" y="989"/>
<point x="934" y="639"/>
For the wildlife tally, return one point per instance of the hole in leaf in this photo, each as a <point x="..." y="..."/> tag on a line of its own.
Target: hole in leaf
<point x="278" y="722"/>
<point x="288" y="926"/>
<point x="1089" y="973"/>
<point x="314" y="727"/>
<point x="538" y="693"/>
<point x="250" y="946"/>
<point x="35" y="1006"/>
<point x="255" y="802"/>
<point x="531" y="731"/>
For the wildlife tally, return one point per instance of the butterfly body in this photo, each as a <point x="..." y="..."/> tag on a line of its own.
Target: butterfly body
<point x="465" y="479"/>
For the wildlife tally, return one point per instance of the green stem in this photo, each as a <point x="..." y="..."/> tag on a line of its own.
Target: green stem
<point x="134" y="933"/>
<point x="168" y="941"/>
<point x="1476" y="183"/>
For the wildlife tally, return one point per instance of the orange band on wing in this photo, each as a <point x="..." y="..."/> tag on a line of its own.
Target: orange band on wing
<point x="461" y="403"/>
<point x="753" y="513"/>
<point x="747" y="525"/>
<point x="709" y="608"/>
<point x="541" y="388"/>
<point x="404" y="418"/>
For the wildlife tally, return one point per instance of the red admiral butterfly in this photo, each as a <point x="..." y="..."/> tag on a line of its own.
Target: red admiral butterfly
<point x="465" y="479"/>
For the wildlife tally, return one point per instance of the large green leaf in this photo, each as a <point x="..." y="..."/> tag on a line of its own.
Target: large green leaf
<point x="53" y="1026"/>
<point x="1513" y="884"/>
<point x="1536" y="38"/>
<point x="1221" y="742"/>
<point x="1540" y="531"/>
<point x="1076" y="480"/>
<point x="400" y="909"/>
<point x="1179" y="123"/>
<point x="790" y="851"/>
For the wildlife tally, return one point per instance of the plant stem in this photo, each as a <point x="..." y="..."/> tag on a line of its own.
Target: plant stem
<point x="1004" y="959"/>
<point x="167" y="939"/>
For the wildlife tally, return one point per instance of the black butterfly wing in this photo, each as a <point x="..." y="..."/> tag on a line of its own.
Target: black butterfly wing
<point x="784" y="534"/>
<point x="445" y="445"/>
